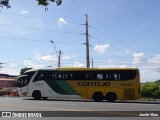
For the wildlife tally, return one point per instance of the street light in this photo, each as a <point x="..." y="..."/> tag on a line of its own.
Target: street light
<point x="58" y="56"/>
<point x="54" y="47"/>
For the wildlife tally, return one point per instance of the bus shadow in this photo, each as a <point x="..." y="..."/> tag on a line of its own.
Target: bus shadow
<point x="67" y="100"/>
<point x="84" y="100"/>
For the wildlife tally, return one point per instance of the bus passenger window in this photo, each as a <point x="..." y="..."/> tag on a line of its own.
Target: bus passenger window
<point x="99" y="76"/>
<point x="41" y="76"/>
<point x="53" y="76"/>
<point x="65" y="76"/>
<point x="116" y="77"/>
<point x="106" y="76"/>
<point x="71" y="76"/>
<point x="88" y="76"/>
<point x="59" y="76"/>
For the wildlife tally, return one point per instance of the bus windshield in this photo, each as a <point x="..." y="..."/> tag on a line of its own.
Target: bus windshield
<point x="24" y="79"/>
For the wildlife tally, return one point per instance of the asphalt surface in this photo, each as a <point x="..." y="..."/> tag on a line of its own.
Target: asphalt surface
<point x="19" y="107"/>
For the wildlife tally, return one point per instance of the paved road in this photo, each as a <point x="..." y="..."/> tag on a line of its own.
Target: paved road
<point x="86" y="109"/>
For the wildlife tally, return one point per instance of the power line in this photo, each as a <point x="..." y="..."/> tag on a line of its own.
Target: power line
<point x="34" y="40"/>
<point x="23" y="39"/>
<point x="24" y="59"/>
<point x="121" y="42"/>
<point x="95" y="63"/>
<point x="104" y="26"/>
<point x="17" y="61"/>
<point x="40" y="29"/>
<point x="57" y="10"/>
<point x="97" y="39"/>
<point x="46" y="19"/>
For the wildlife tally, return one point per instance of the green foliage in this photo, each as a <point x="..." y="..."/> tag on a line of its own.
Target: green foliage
<point x="150" y="89"/>
<point x="24" y="70"/>
<point x="46" y="2"/>
<point x="5" y="3"/>
<point x="156" y="94"/>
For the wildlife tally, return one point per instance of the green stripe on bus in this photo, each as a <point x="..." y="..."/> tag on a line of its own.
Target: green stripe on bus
<point x="61" y="87"/>
<point x="55" y="87"/>
<point x="66" y="87"/>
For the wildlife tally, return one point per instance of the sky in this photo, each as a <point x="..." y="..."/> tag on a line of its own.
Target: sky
<point x="122" y="33"/>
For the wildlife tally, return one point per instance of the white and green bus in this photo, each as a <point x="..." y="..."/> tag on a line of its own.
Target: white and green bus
<point x="88" y="83"/>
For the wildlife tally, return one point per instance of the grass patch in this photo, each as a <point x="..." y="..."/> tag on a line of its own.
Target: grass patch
<point x="148" y="99"/>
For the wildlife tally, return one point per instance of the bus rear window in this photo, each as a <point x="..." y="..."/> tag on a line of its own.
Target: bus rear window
<point x="128" y="74"/>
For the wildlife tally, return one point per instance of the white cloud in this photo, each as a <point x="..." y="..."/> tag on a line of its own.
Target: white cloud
<point x="101" y="48"/>
<point x="10" y="69"/>
<point x="123" y="66"/>
<point x="65" y="57"/>
<point x="149" y="67"/>
<point x="61" y="21"/>
<point x="129" y="51"/>
<point x="46" y="58"/>
<point x="37" y="19"/>
<point x="78" y="64"/>
<point x="24" y="12"/>
<point x="139" y="59"/>
<point x="149" y="75"/>
<point x="155" y="60"/>
<point x="28" y="63"/>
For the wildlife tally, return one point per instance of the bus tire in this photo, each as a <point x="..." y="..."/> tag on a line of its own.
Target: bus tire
<point x="36" y="95"/>
<point x="111" y="97"/>
<point x="97" y="97"/>
<point x="45" y="98"/>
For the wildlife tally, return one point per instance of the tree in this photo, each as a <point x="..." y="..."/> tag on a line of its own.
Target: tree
<point x="5" y="3"/>
<point x="24" y="70"/>
<point x="150" y="89"/>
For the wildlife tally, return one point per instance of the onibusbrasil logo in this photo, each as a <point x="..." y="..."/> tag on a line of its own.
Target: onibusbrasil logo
<point x="21" y="114"/>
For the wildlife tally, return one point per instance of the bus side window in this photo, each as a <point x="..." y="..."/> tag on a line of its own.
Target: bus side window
<point x="59" y="76"/>
<point x="71" y="76"/>
<point x="99" y="76"/>
<point x="90" y="76"/>
<point x="53" y="76"/>
<point x="111" y="76"/>
<point x="66" y="76"/>
<point x="41" y="76"/>
<point x="116" y="76"/>
<point x="128" y="75"/>
<point x="107" y="76"/>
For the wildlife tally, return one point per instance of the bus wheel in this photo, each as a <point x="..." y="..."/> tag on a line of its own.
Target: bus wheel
<point x="97" y="97"/>
<point x="44" y="98"/>
<point x="36" y="95"/>
<point x="111" y="97"/>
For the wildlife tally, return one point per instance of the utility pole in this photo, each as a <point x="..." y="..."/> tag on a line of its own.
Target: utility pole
<point x="59" y="58"/>
<point x="92" y="63"/>
<point x="87" y="44"/>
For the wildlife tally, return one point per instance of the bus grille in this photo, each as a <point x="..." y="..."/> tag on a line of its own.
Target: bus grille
<point x="129" y="94"/>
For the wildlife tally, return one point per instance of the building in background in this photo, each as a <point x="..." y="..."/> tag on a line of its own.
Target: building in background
<point x="8" y="85"/>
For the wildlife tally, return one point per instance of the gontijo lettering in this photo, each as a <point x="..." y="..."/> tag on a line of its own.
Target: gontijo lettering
<point x="94" y="83"/>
